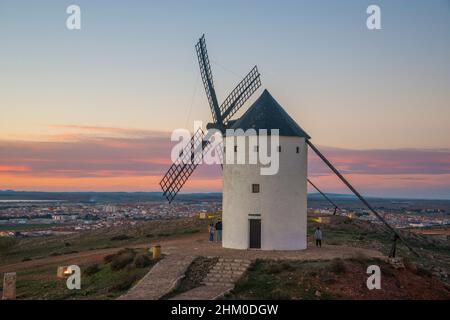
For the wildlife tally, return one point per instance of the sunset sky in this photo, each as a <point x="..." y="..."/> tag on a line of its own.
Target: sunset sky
<point x="93" y="109"/>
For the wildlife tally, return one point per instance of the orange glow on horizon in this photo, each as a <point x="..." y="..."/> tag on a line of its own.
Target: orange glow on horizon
<point x="105" y="184"/>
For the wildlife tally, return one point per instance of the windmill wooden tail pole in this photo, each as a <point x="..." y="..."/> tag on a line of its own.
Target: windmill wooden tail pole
<point x="360" y="197"/>
<point x="325" y="196"/>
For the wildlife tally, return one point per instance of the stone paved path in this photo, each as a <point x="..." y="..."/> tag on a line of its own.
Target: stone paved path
<point x="219" y="280"/>
<point x="161" y="279"/>
<point x="180" y="253"/>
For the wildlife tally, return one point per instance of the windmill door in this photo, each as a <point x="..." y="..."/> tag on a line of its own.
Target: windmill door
<point x="255" y="233"/>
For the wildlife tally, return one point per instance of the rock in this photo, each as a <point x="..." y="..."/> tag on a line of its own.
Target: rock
<point x="397" y="263"/>
<point x="9" y="286"/>
<point x="317" y="293"/>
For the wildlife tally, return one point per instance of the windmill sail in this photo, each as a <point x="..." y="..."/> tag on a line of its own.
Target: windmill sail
<point x="180" y="171"/>
<point x="240" y="94"/>
<point x="205" y="70"/>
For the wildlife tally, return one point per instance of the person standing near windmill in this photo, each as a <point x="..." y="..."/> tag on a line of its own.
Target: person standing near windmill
<point x="318" y="237"/>
<point x="218" y="227"/>
<point x="211" y="232"/>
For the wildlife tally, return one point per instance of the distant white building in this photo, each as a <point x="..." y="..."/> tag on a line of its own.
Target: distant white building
<point x="64" y="217"/>
<point x="109" y="208"/>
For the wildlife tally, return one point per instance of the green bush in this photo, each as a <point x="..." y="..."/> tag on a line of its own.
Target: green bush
<point x="122" y="259"/>
<point x="124" y="284"/>
<point x="108" y="258"/>
<point x="54" y="254"/>
<point x="142" y="261"/>
<point x="286" y="266"/>
<point x="274" y="269"/>
<point x="421" y="271"/>
<point x="337" y="266"/>
<point x="164" y="234"/>
<point x="92" y="269"/>
<point x="7" y="244"/>
<point x="279" y="294"/>
<point x="121" y="237"/>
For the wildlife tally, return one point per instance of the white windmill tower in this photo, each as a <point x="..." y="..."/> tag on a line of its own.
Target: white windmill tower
<point x="259" y="211"/>
<point x="266" y="211"/>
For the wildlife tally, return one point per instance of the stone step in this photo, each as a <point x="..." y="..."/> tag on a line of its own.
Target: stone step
<point x="220" y="280"/>
<point x="225" y="272"/>
<point x="222" y="283"/>
<point x="231" y="265"/>
<point x="224" y="260"/>
<point x="240" y="268"/>
<point x="224" y="278"/>
<point x="208" y="283"/>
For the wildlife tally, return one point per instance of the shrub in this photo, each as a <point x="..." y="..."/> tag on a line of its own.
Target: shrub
<point x="329" y="280"/>
<point x="108" y="258"/>
<point x="274" y="268"/>
<point x="125" y="284"/>
<point x="54" y="254"/>
<point x="421" y="271"/>
<point x="121" y="237"/>
<point x="142" y="261"/>
<point x="122" y="258"/>
<point x="7" y="244"/>
<point x="164" y="234"/>
<point x="279" y="294"/>
<point x="337" y="266"/>
<point x="70" y="252"/>
<point x="286" y="266"/>
<point x="92" y="269"/>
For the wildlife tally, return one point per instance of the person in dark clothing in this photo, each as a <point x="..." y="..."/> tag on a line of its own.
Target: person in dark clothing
<point x="219" y="231"/>
<point x="318" y="237"/>
<point x="211" y="232"/>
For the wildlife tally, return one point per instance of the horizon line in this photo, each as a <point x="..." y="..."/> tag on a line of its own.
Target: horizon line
<point x="220" y="192"/>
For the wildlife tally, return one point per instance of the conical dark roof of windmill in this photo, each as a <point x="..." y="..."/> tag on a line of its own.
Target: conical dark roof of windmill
<point x="266" y="113"/>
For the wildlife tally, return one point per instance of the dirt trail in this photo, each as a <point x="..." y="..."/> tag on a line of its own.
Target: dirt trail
<point x="86" y="257"/>
<point x="197" y="245"/>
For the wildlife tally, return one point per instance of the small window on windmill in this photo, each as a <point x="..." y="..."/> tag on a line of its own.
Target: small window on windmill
<point x="256" y="148"/>
<point x="279" y="148"/>
<point x="298" y="150"/>
<point x="235" y="148"/>
<point x="255" y="188"/>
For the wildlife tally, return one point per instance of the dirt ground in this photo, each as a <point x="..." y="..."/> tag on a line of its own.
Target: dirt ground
<point x="197" y="245"/>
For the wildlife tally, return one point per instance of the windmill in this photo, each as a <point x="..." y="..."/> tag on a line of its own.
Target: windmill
<point x="180" y="171"/>
<point x="288" y="190"/>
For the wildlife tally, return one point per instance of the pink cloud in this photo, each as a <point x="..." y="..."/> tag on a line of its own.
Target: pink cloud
<point x="102" y="154"/>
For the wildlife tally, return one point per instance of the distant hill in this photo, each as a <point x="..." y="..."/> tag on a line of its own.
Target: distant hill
<point x="336" y="196"/>
<point x="131" y="196"/>
<point x="314" y="198"/>
<point x="102" y="196"/>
